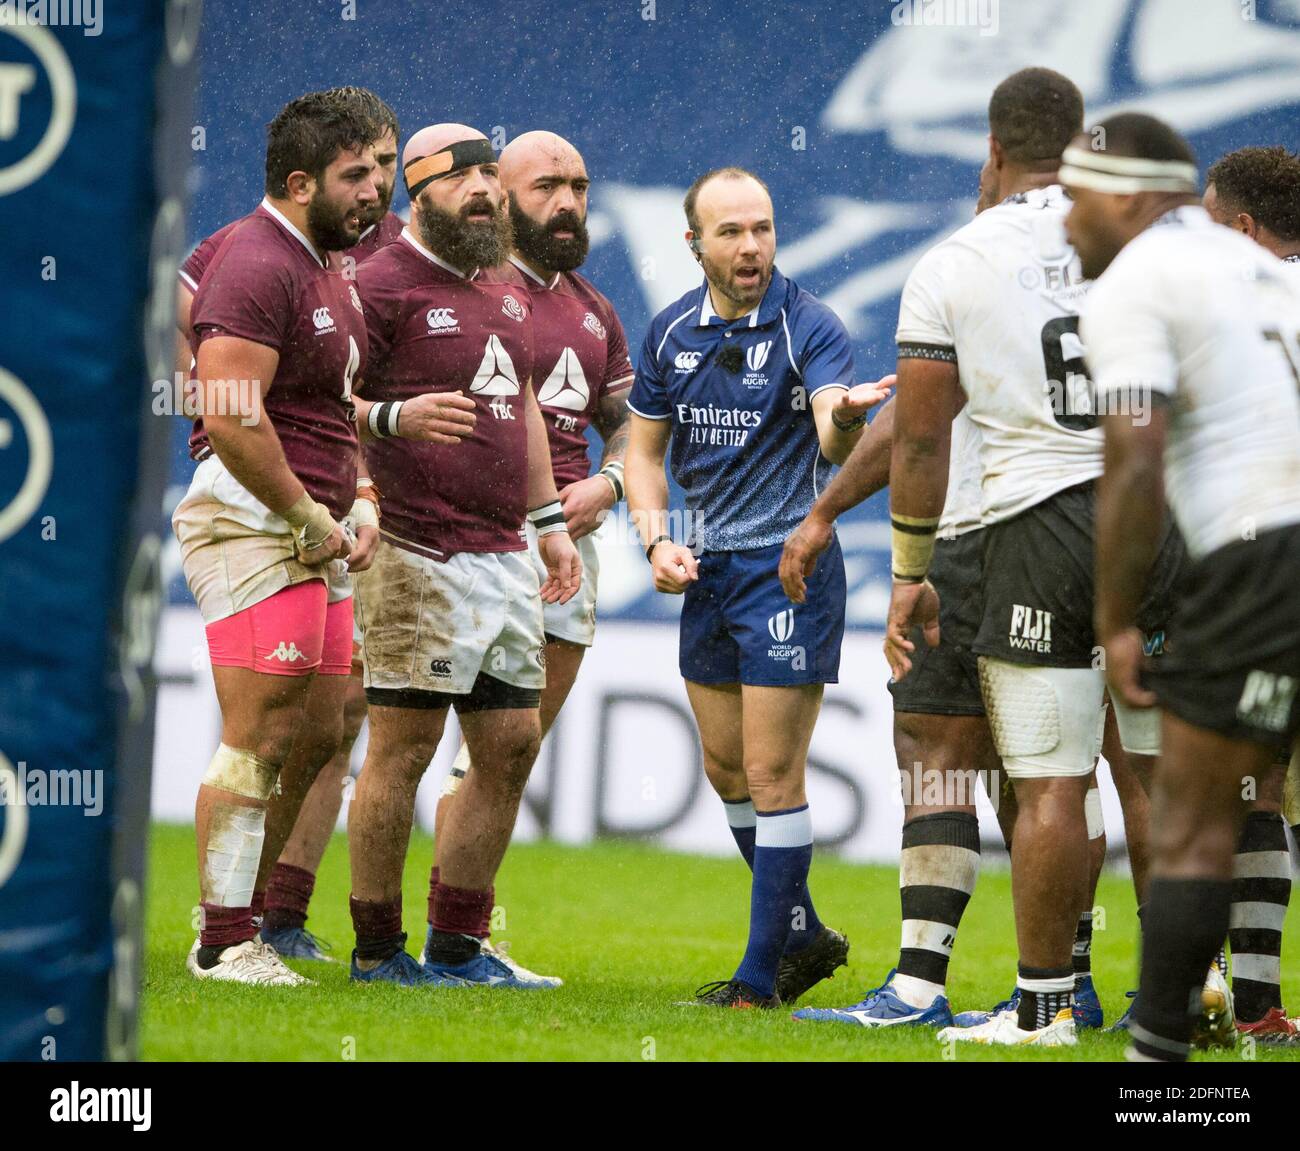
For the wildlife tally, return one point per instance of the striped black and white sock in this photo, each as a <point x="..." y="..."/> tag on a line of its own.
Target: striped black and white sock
<point x="936" y="875"/>
<point x="1261" y="890"/>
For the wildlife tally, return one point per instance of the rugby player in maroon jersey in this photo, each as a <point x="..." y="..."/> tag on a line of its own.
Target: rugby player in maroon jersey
<point x="451" y="613"/>
<point x="582" y="374"/>
<point x="278" y="336"/>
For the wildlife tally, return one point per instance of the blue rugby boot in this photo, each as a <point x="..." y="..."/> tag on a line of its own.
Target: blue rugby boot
<point x="881" y="1007"/>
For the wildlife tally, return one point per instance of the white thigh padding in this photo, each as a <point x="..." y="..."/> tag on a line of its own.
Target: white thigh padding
<point x="1023" y="710"/>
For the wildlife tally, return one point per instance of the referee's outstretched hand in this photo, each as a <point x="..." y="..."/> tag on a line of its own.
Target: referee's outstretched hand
<point x="674" y="568"/>
<point x="803" y="547"/>
<point x="910" y="605"/>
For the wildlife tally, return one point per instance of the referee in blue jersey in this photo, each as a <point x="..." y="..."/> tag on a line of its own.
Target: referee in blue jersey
<point x="751" y="380"/>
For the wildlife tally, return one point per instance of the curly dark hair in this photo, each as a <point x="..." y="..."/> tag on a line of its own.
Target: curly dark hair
<point x="309" y="132"/>
<point x="1264" y="183"/>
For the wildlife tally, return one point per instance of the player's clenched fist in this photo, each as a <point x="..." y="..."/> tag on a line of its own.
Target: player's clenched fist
<point x="910" y="605"/>
<point x="438" y="417"/>
<point x="674" y="567"/>
<point x="563" y="567"/>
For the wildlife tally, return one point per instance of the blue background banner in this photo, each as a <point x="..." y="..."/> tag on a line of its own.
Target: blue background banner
<point x="867" y="120"/>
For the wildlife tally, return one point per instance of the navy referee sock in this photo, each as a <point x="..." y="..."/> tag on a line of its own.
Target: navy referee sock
<point x="742" y="819"/>
<point x="777" y="902"/>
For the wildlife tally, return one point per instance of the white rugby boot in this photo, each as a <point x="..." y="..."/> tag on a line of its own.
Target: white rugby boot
<point x="1003" y="1030"/>
<point x="249" y="962"/>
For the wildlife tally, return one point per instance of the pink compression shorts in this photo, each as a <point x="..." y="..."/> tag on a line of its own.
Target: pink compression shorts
<point x="294" y="632"/>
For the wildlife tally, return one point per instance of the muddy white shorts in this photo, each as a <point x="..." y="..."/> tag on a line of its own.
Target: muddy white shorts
<point x="574" y="621"/>
<point x="435" y="626"/>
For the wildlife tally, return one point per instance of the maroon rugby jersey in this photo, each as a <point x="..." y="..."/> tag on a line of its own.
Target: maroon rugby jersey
<point x="196" y="263"/>
<point x="434" y="330"/>
<point x="579" y="355"/>
<point x="266" y="285"/>
<point x="372" y="239"/>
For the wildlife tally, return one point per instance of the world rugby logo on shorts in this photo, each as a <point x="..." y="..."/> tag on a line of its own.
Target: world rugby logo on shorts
<point x="442" y="321"/>
<point x="513" y="308"/>
<point x="594" y="326"/>
<point x="781" y="626"/>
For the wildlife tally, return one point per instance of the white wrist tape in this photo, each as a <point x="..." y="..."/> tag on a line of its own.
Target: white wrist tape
<point x="548" y="518"/>
<point x="364" y="513"/>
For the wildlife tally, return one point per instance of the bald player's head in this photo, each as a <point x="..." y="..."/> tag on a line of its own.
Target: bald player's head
<point x="452" y="177"/>
<point x="547" y="183"/>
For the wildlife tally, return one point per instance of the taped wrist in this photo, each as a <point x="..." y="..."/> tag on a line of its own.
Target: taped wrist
<point x="365" y="512"/>
<point x="913" y="545"/>
<point x="311" y="522"/>
<point x="548" y="518"/>
<point x="242" y="773"/>
<point x="613" y="472"/>
<point x="382" y="419"/>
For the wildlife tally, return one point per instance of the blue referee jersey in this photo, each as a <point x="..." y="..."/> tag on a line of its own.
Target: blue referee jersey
<point x="744" y="443"/>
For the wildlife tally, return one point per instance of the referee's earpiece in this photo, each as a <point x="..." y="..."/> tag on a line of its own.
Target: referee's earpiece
<point x="695" y="247"/>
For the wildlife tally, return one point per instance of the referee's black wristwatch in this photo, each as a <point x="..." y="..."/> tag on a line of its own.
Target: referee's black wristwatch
<point x="654" y="543"/>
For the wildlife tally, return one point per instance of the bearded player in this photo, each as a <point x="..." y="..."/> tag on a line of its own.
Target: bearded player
<point x="260" y="526"/>
<point x="283" y="890"/>
<point x="451" y="615"/>
<point x="583" y="373"/>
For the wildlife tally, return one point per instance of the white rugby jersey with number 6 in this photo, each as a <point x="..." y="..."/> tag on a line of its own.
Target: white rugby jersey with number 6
<point x="1002" y="294"/>
<point x="1207" y="319"/>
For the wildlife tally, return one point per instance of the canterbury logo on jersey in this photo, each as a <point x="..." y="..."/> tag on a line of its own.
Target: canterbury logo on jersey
<point x="287" y="653"/>
<point x="323" y="320"/>
<point x="756" y="356"/>
<point x="566" y="386"/>
<point x="687" y="361"/>
<point x="781" y="626"/>
<point x="594" y="326"/>
<point x="513" y="308"/>
<point x="496" y="375"/>
<point x="441" y="321"/>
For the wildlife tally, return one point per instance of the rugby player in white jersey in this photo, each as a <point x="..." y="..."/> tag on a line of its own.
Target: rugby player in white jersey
<point x="1257" y="192"/>
<point x="941" y="737"/>
<point x="1004" y="293"/>
<point x="1193" y="337"/>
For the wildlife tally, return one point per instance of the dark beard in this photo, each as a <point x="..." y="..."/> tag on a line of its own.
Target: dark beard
<point x="325" y="224"/>
<point x="537" y="244"/>
<point x="379" y="211"/>
<point x="463" y="245"/>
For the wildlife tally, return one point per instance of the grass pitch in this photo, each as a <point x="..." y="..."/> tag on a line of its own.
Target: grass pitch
<point x="631" y="929"/>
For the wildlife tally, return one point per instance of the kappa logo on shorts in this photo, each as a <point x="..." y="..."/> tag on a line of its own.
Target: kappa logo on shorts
<point x="440" y="668"/>
<point x="442" y="321"/>
<point x="1031" y="629"/>
<point x="686" y="361"/>
<point x="592" y="323"/>
<point x="323" y="320"/>
<point x="513" y="308"/>
<point x="1266" y="700"/>
<point x="781" y="626"/>
<point x="287" y="653"/>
